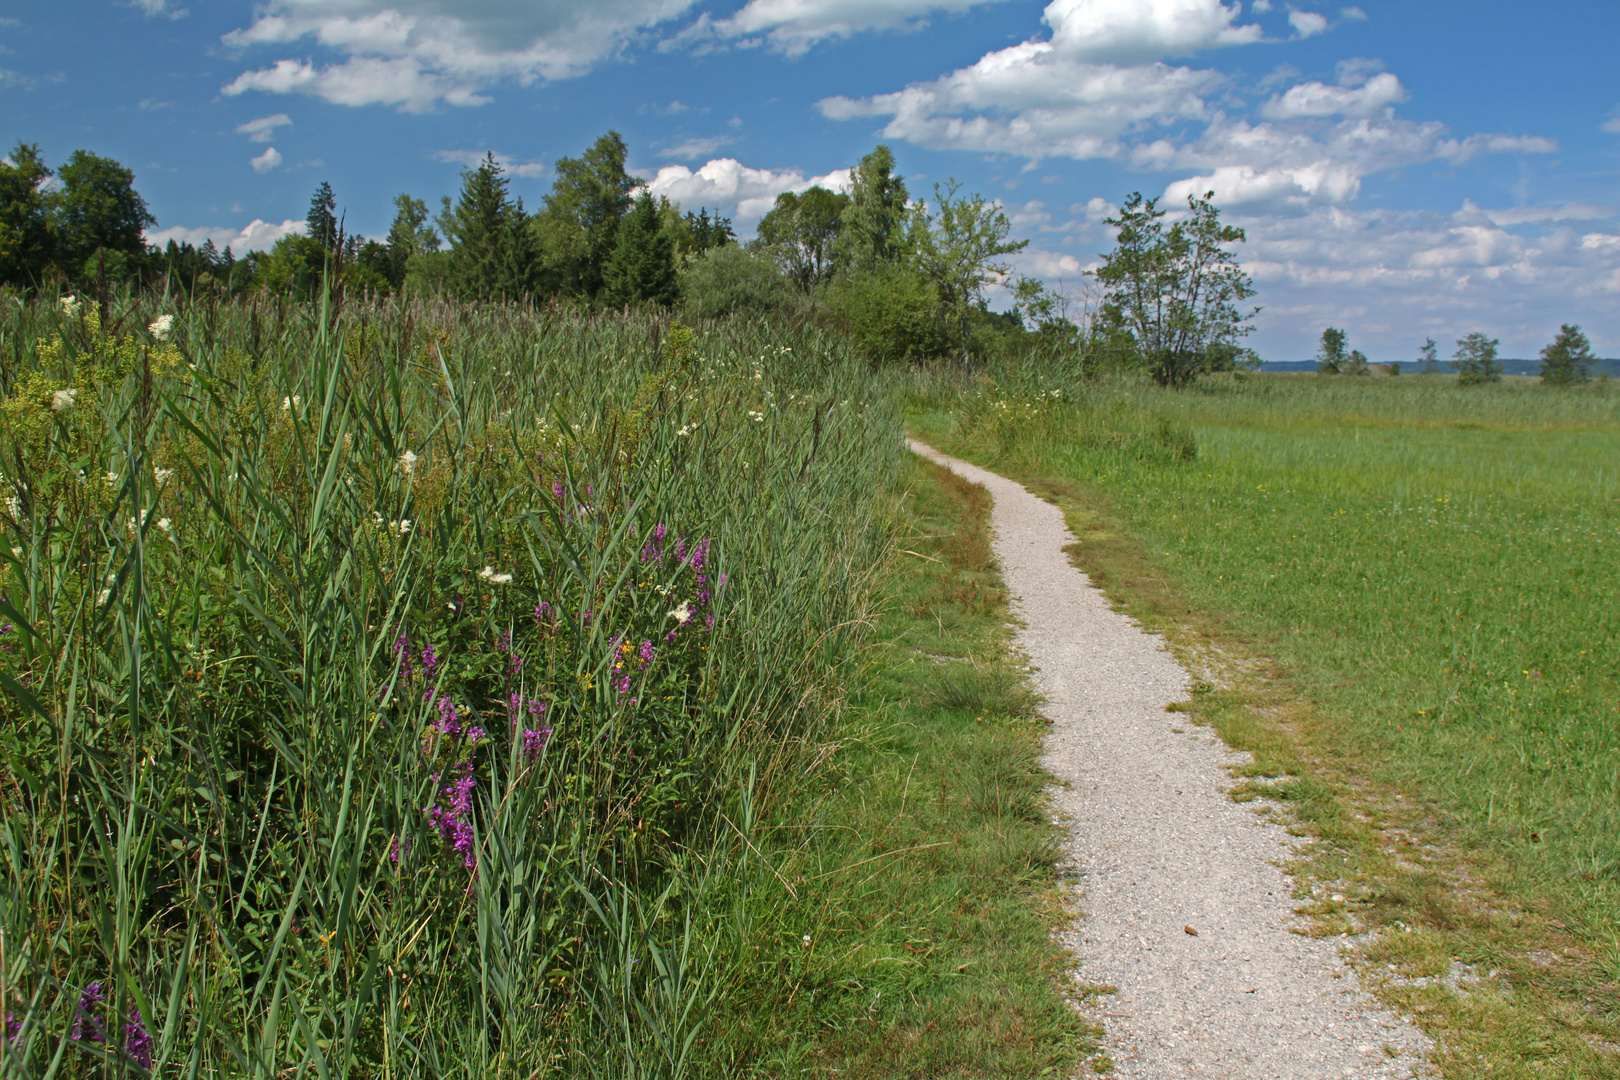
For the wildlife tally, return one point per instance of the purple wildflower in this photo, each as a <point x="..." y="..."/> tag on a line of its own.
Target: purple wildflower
<point x="534" y="743"/>
<point x="399" y="849"/>
<point x="449" y="721"/>
<point x="13" y="1029"/>
<point x="557" y="490"/>
<point x="430" y="662"/>
<point x="543" y="613"/>
<point x="85" y="1025"/>
<point x="645" y="652"/>
<point x="451" y="814"/>
<point x="137" y="1042"/>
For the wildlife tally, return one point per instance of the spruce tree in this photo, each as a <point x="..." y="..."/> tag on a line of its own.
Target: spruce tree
<point x="321" y="224"/>
<point x="1568" y="360"/>
<point x="491" y="256"/>
<point x="1475" y="360"/>
<point x="641" y="268"/>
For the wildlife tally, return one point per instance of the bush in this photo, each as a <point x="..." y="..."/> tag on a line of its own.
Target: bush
<point x="892" y="316"/>
<point x="728" y="280"/>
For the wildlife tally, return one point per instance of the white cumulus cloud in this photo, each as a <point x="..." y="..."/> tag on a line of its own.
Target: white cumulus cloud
<point x="256" y="236"/>
<point x="1318" y="99"/>
<point x="263" y="128"/>
<point x="418" y="54"/>
<point x="731" y="185"/>
<point x="1307" y="23"/>
<point x="270" y="159"/>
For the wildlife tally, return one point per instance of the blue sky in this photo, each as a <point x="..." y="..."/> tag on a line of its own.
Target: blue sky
<point x="1404" y="170"/>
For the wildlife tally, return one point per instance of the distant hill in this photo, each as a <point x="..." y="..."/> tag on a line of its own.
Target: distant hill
<point x="1611" y="367"/>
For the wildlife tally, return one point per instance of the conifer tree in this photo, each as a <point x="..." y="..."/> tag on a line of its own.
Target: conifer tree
<point x="491" y="254"/>
<point x="641" y="268"/>
<point x="1568" y="360"/>
<point x="321" y="224"/>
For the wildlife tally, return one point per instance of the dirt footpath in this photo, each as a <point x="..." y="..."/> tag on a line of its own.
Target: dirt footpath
<point x="1185" y="908"/>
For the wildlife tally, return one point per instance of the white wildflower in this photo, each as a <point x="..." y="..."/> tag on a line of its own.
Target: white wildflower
<point x="112" y="478"/>
<point x="756" y="417"/>
<point x="687" y="429"/>
<point x="682" y="614"/>
<point x="407" y="464"/>
<point x="161" y="475"/>
<point x="70" y="306"/>
<point x="402" y="527"/>
<point x="488" y="574"/>
<point x="101" y="598"/>
<point x="165" y="525"/>
<point x="288" y="404"/>
<point x="62" y="400"/>
<point x="161" y="327"/>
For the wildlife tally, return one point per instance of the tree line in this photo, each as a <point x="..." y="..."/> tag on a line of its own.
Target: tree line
<point x="909" y="278"/>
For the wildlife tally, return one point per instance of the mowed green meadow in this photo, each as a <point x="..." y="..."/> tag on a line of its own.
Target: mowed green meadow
<point x="1435" y="569"/>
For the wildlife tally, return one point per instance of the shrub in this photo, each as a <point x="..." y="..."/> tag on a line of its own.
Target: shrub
<point x="729" y="280"/>
<point x="892" y="315"/>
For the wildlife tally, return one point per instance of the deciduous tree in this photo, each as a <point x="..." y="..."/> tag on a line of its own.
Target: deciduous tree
<point x="955" y="245"/>
<point x="1176" y="290"/>
<point x="579" y="223"/>
<point x="1331" y="355"/>
<point x="1430" y="356"/>
<point x="99" y="210"/>
<point x="800" y="232"/>
<point x="873" y="231"/>
<point x="1475" y="360"/>
<point x="27" y="230"/>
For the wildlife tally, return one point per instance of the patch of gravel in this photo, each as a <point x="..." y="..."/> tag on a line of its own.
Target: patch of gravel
<point x="1158" y="850"/>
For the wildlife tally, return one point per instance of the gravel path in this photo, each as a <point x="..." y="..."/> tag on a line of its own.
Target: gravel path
<point x="1158" y="849"/>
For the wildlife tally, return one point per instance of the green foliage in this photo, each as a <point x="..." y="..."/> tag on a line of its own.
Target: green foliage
<point x="98" y="209"/>
<point x="729" y="280"/>
<point x="954" y="245"/>
<point x="1429" y="354"/>
<point x="27" y="229"/>
<point x="579" y="224"/>
<point x="296" y="268"/>
<point x="1331" y="354"/>
<point x="641" y="269"/>
<point x="408" y="236"/>
<point x="891" y="315"/>
<point x="872" y="234"/>
<point x="1175" y="290"/>
<point x="1568" y="360"/>
<point x="492" y="254"/>
<point x="801" y="231"/>
<point x="321" y="223"/>
<point x="1475" y="360"/>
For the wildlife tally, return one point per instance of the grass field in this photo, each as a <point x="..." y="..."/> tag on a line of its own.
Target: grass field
<point x="1422" y="579"/>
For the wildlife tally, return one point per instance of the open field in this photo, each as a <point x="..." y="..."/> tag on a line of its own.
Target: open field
<point x="1412" y="587"/>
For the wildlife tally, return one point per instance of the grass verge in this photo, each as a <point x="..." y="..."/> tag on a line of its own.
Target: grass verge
<point x="1390" y="590"/>
<point x="918" y="881"/>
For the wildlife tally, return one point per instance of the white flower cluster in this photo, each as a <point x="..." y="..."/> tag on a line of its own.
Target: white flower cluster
<point x="398" y="528"/>
<point x="161" y="327"/>
<point x="288" y="404"/>
<point x="161" y="475"/>
<point x="70" y="306"/>
<point x="687" y="429"/>
<point x="756" y="416"/>
<point x="135" y="524"/>
<point x="682" y="614"/>
<point x="407" y="464"/>
<point x="62" y="400"/>
<point x="488" y="574"/>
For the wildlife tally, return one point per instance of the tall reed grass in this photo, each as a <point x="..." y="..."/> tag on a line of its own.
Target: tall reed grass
<point x="391" y="691"/>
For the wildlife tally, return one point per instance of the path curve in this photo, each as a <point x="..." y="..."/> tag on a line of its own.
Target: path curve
<point x="1157" y="847"/>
